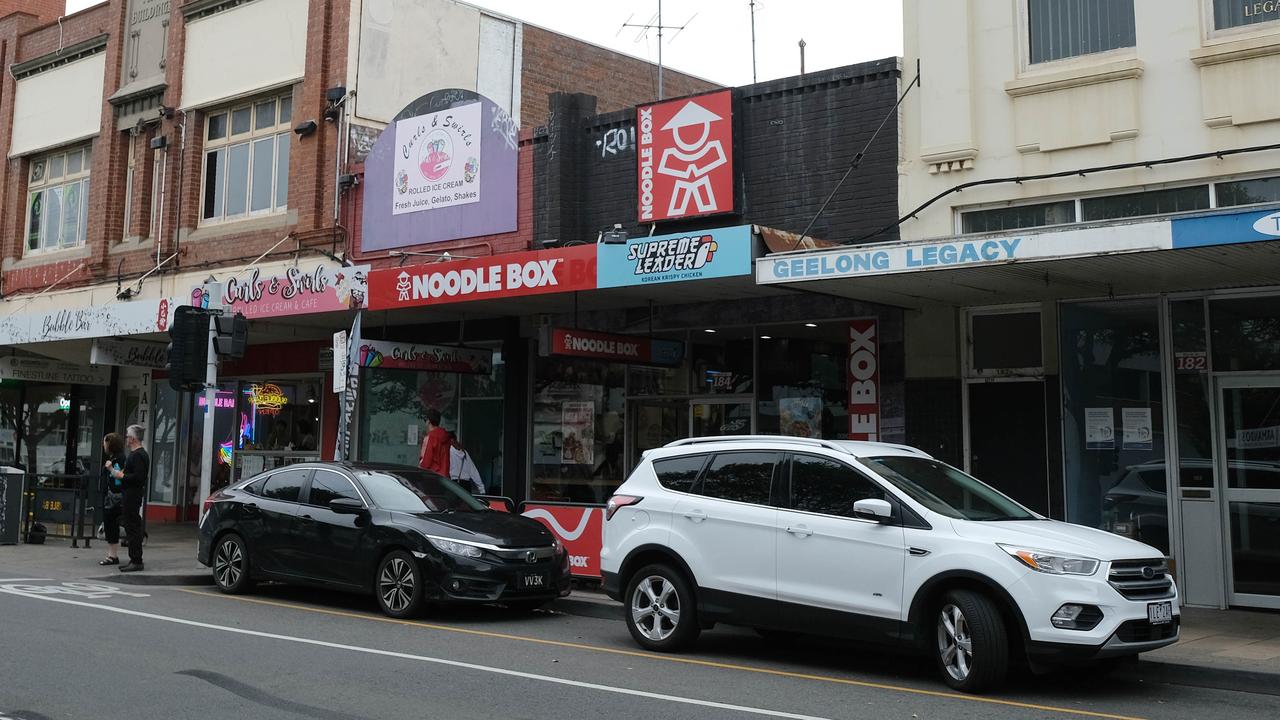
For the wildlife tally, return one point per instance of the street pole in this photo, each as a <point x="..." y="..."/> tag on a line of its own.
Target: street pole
<point x="210" y="399"/>
<point x="753" y="41"/>
<point x="659" y="49"/>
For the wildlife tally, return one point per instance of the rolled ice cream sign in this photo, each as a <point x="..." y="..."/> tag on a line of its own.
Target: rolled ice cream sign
<point x="444" y="169"/>
<point x="296" y="291"/>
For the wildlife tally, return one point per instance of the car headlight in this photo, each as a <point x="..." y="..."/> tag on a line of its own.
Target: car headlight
<point x="1051" y="562"/>
<point x="453" y="547"/>
<point x="559" y="546"/>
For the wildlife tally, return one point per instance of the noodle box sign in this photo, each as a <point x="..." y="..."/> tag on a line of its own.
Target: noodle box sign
<point x="579" y="527"/>
<point x="537" y="272"/>
<point x="621" y="348"/>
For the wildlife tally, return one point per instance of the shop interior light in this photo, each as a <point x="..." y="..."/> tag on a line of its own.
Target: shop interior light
<point x="708" y="330"/>
<point x="766" y="337"/>
<point x="811" y="324"/>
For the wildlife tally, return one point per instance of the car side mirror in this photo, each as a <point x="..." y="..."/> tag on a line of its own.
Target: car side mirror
<point x="346" y="506"/>
<point x="872" y="509"/>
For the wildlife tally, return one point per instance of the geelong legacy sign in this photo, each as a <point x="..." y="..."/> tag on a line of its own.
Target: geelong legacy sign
<point x="863" y="261"/>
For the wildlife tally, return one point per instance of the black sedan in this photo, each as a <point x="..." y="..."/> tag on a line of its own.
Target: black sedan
<point x="409" y="536"/>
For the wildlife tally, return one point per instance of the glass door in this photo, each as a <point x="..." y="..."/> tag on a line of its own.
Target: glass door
<point x="1250" y="463"/>
<point x="720" y="417"/>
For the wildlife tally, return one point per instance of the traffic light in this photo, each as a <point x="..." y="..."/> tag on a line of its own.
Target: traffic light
<point x="188" y="349"/>
<point x="233" y="335"/>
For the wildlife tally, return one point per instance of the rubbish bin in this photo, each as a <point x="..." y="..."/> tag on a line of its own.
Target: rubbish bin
<point x="11" y="482"/>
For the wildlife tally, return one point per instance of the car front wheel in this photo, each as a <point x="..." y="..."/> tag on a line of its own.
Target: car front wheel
<point x="971" y="645"/>
<point x="662" y="614"/>
<point x="398" y="585"/>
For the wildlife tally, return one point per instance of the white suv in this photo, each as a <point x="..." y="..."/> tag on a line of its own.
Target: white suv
<point x="876" y="542"/>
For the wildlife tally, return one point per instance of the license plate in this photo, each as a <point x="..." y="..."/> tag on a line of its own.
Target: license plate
<point x="535" y="581"/>
<point x="1159" y="613"/>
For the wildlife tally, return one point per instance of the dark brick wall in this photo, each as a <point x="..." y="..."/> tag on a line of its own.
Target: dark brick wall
<point x="795" y="138"/>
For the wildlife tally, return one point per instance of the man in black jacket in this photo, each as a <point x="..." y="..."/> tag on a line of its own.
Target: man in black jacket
<point x="134" y="475"/>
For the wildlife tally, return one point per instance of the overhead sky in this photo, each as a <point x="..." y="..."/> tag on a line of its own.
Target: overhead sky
<point x="716" y="41"/>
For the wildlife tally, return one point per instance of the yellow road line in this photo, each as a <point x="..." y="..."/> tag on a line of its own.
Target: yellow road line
<point x="670" y="658"/>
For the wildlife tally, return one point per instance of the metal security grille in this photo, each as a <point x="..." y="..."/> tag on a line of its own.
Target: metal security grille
<point x="1060" y="29"/>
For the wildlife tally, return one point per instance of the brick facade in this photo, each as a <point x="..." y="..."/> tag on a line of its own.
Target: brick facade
<point x="554" y="63"/>
<point x="114" y="252"/>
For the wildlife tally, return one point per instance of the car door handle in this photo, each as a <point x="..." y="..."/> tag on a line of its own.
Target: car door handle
<point x="696" y="515"/>
<point x="799" y="531"/>
<point x="251" y="508"/>
<point x="306" y="520"/>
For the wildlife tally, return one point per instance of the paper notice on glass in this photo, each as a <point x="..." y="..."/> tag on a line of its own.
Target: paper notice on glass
<point x="250" y="465"/>
<point x="801" y="416"/>
<point x="411" y="435"/>
<point x="1136" y="423"/>
<point x="1099" y="428"/>
<point x="578" y="427"/>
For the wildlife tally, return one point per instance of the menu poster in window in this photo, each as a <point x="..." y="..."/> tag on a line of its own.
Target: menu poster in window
<point x="547" y="433"/>
<point x="1136" y="424"/>
<point x="578" y="432"/>
<point x="250" y="465"/>
<point x="801" y="416"/>
<point x="411" y="435"/>
<point x="1099" y="428"/>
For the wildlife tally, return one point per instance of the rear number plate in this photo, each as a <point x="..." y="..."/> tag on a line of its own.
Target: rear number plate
<point x="1159" y="613"/>
<point x="533" y="581"/>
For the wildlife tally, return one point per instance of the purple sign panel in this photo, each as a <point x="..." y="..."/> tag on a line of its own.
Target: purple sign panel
<point x="444" y="169"/>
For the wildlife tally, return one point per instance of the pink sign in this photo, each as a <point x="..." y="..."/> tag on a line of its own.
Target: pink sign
<point x="297" y="291"/>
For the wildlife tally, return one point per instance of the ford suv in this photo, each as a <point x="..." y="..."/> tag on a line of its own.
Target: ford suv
<point x="874" y="542"/>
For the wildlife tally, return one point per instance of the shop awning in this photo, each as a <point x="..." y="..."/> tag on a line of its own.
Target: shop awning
<point x="1207" y="251"/>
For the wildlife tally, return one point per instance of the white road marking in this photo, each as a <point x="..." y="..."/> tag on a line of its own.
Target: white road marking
<point x="425" y="659"/>
<point x="14" y="580"/>
<point x="93" y="591"/>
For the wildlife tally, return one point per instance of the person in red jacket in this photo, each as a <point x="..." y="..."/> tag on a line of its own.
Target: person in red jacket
<point x="435" y="446"/>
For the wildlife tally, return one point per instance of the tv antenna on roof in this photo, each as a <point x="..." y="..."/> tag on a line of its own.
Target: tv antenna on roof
<point x="655" y="23"/>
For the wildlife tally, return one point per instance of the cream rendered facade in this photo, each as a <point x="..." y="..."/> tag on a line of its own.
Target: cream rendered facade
<point x="983" y="112"/>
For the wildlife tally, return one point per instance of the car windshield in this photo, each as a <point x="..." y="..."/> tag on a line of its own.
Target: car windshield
<point x="416" y="491"/>
<point x="945" y="490"/>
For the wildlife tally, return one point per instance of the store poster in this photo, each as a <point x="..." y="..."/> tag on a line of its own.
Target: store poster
<point x="580" y="528"/>
<point x="1099" y="428"/>
<point x="801" y="416"/>
<point x="578" y="435"/>
<point x="1137" y="430"/>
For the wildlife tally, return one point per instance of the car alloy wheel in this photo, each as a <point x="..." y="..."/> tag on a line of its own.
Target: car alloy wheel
<point x="396" y="585"/>
<point x="655" y="608"/>
<point x="231" y="565"/>
<point x="954" y="642"/>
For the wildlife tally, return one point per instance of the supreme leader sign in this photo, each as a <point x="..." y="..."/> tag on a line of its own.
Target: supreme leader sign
<point x="684" y="156"/>
<point x="511" y="275"/>
<point x="864" y="379"/>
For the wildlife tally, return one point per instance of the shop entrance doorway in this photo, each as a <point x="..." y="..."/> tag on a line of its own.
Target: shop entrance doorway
<point x="1007" y="439"/>
<point x="1249" y="469"/>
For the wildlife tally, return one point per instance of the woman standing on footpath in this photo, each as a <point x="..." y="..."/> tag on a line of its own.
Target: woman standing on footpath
<point x="112" y="496"/>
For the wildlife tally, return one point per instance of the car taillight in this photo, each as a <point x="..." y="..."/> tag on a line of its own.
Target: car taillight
<point x="619" y="501"/>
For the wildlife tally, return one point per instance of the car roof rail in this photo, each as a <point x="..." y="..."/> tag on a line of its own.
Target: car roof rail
<point x="811" y="442"/>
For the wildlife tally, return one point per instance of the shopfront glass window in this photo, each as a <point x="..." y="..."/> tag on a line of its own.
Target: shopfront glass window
<point x="10" y="424"/>
<point x="90" y="428"/>
<point x="279" y="416"/>
<point x="45" y="414"/>
<point x="164" y="444"/>
<point x="1113" y="431"/>
<point x="480" y="423"/>
<point x="394" y="420"/>
<point x="579" y="409"/>
<point x="1246" y="334"/>
<point x="1191" y="389"/>
<point x="722" y="362"/>
<point x="656" y="381"/>
<point x="225" y="434"/>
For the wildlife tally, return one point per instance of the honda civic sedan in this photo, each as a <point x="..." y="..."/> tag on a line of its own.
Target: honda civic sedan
<point x="408" y="536"/>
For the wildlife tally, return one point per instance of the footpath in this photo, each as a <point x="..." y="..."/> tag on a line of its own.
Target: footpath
<point x="1227" y="649"/>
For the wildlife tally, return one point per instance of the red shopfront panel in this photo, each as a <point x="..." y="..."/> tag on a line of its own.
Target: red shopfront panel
<point x="579" y="527"/>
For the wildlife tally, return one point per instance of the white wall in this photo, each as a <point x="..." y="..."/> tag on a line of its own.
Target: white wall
<point x="237" y="52"/>
<point x="404" y="50"/>
<point x="58" y="106"/>
<point x="980" y="114"/>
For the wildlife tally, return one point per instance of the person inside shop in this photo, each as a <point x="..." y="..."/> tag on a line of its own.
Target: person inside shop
<point x="462" y="469"/>
<point x="435" y="445"/>
<point x="133" y="476"/>
<point x="306" y="438"/>
<point x="279" y="438"/>
<point x="112" y="496"/>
